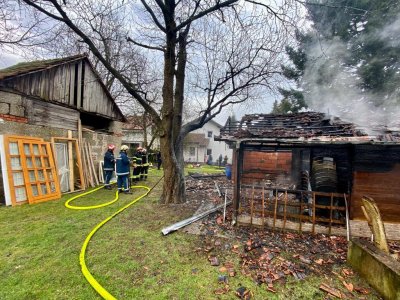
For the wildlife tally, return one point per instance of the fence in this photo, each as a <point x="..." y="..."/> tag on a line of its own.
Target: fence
<point x="292" y="206"/>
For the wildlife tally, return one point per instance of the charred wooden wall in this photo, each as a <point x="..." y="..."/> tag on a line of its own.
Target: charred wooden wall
<point x="73" y="84"/>
<point x="371" y="170"/>
<point x="377" y="174"/>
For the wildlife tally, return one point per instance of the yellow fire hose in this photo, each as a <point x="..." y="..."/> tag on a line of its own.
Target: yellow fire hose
<point x="89" y="277"/>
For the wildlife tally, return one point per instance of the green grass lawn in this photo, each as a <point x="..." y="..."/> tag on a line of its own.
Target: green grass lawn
<point x="204" y="169"/>
<point x="40" y="246"/>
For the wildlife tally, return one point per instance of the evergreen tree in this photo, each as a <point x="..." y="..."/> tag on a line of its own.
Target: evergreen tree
<point x="293" y="99"/>
<point x="370" y="29"/>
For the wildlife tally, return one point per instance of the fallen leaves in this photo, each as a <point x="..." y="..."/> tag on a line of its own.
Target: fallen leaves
<point x="243" y="293"/>
<point x="347" y="272"/>
<point x="362" y="290"/>
<point x="330" y="290"/>
<point x="349" y="286"/>
<point x="214" y="261"/>
<point x="319" y="261"/>
<point x="222" y="291"/>
<point x="270" y="288"/>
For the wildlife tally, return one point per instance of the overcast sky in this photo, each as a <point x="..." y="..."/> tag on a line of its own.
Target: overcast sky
<point x="7" y="60"/>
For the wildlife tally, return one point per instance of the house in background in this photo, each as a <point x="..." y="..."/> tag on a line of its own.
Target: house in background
<point x="57" y="98"/>
<point x="139" y="130"/>
<point x="309" y="172"/>
<point x="199" y="145"/>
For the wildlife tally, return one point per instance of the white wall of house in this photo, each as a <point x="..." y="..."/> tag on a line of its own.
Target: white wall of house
<point x="137" y="137"/>
<point x="194" y="153"/>
<point x="215" y="148"/>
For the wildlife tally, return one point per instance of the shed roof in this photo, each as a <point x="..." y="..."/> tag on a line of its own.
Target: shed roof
<point x="37" y="65"/>
<point x="25" y="68"/>
<point x="303" y="127"/>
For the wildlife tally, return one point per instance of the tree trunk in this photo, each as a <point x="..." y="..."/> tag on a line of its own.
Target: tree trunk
<point x="174" y="181"/>
<point x="179" y="154"/>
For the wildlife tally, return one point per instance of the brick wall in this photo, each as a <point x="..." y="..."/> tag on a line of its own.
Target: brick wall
<point x="12" y="118"/>
<point x="274" y="161"/>
<point x="261" y="166"/>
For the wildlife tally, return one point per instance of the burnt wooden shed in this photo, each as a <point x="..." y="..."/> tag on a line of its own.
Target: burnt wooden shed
<point x="308" y="171"/>
<point x="63" y="97"/>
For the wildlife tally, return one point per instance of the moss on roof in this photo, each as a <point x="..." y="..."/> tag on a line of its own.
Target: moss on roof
<point x="37" y="65"/>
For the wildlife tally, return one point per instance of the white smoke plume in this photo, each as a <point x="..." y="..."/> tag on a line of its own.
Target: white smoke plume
<point x="334" y="88"/>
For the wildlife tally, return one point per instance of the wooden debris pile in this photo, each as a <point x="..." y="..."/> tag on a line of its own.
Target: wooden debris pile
<point x="89" y="169"/>
<point x="206" y="189"/>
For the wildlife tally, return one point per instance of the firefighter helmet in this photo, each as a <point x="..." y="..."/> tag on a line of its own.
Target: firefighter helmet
<point x="111" y="147"/>
<point x="124" y="148"/>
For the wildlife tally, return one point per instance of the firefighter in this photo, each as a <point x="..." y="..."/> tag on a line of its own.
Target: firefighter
<point x="122" y="166"/>
<point x="137" y="158"/>
<point x="145" y="165"/>
<point x="159" y="160"/>
<point x="136" y="170"/>
<point x="109" y="164"/>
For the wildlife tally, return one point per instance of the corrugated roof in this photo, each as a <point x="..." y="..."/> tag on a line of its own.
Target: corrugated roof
<point x="37" y="65"/>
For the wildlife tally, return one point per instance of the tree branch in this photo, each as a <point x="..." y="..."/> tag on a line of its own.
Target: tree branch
<point x="153" y="15"/>
<point x="127" y="84"/>
<point x="144" y="46"/>
<point x="192" y="18"/>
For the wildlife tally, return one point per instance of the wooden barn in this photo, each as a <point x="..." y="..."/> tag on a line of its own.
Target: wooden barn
<point x="308" y="172"/>
<point x="60" y="100"/>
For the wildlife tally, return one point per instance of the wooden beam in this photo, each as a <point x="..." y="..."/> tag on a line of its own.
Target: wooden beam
<point x="70" y="163"/>
<point x="96" y="179"/>
<point x="275" y="208"/>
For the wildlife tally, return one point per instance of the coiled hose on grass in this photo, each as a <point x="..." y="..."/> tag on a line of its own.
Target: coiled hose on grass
<point x="85" y="271"/>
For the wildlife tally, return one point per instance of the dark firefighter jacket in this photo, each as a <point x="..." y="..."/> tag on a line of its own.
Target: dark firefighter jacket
<point x="109" y="161"/>
<point x="122" y="164"/>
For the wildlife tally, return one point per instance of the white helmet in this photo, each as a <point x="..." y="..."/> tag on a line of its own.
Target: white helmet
<point x="124" y="148"/>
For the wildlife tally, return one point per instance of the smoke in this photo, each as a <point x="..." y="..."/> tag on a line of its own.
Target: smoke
<point x="333" y="87"/>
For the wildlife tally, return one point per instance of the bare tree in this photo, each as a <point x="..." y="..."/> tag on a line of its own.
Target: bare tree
<point x="240" y="48"/>
<point x="26" y="28"/>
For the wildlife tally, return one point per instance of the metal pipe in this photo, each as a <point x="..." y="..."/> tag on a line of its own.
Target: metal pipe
<point x="190" y="220"/>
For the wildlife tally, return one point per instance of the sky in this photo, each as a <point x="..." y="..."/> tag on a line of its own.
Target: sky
<point x="7" y="60"/>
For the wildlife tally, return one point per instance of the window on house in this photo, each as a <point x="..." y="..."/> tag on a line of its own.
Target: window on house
<point x="192" y="151"/>
<point x="209" y="133"/>
<point x="209" y="151"/>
